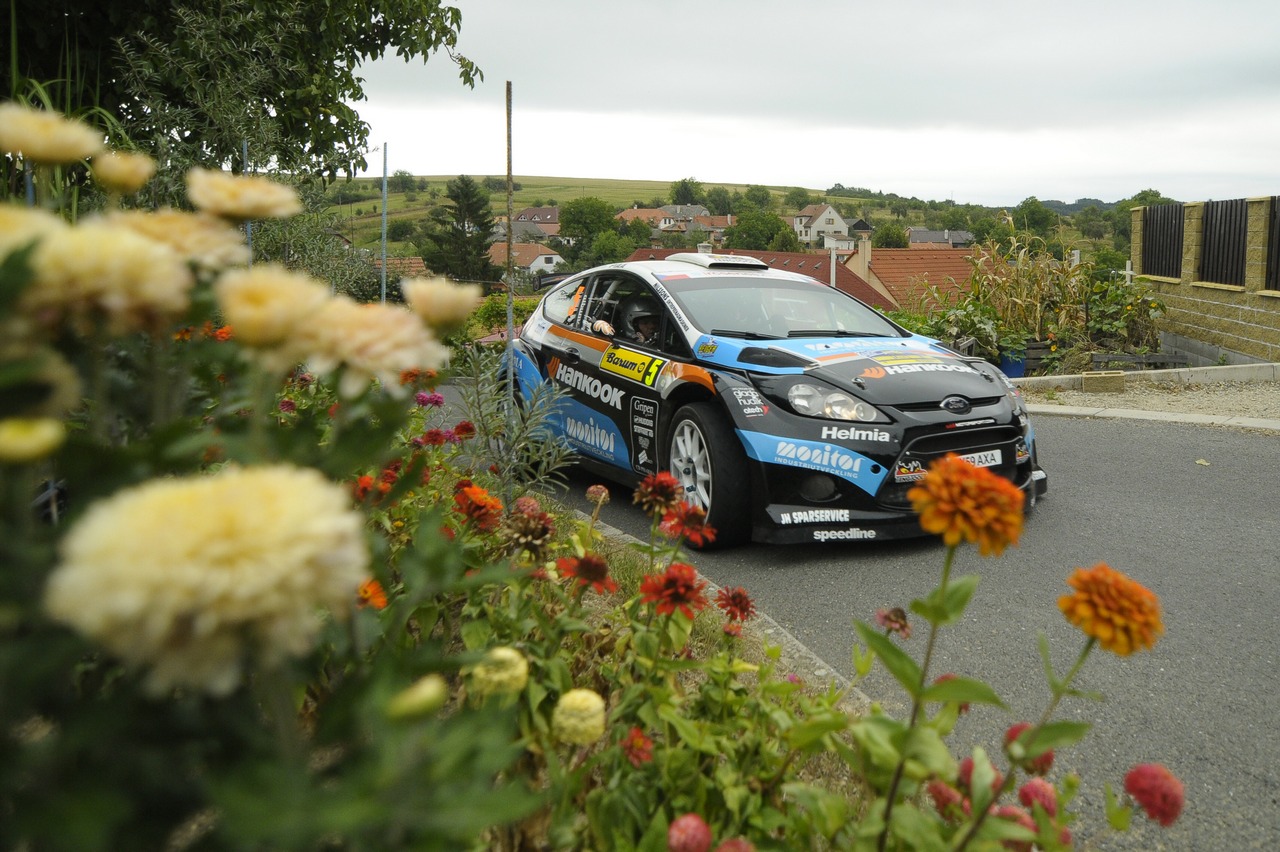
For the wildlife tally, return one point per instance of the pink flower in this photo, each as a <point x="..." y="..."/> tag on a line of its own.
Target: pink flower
<point x="1157" y="790"/>
<point x="964" y="775"/>
<point x="1036" y="766"/>
<point x="1015" y="814"/>
<point x="893" y="621"/>
<point x="946" y="799"/>
<point x="689" y="833"/>
<point x="1039" y="790"/>
<point x="428" y="400"/>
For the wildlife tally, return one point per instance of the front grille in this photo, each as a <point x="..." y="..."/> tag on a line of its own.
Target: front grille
<point x="924" y="449"/>
<point x="936" y="405"/>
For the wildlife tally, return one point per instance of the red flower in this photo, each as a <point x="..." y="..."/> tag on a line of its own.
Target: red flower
<point x="288" y="406"/>
<point x="658" y="493"/>
<point x="1015" y="814"/>
<point x="479" y="507"/>
<point x="689" y="833"/>
<point x="1157" y="790"/>
<point x="371" y="594"/>
<point x="333" y="410"/>
<point x="689" y="522"/>
<point x="598" y="494"/>
<point x="362" y="487"/>
<point x="637" y="747"/>
<point x="946" y="799"/>
<point x="465" y="429"/>
<point x="964" y="774"/>
<point x="736" y="603"/>
<point x="223" y="334"/>
<point x="591" y="570"/>
<point x="894" y="621"/>
<point x="1039" y="790"/>
<point x="430" y="438"/>
<point x="677" y="588"/>
<point x="736" y="844"/>
<point x="1036" y="766"/>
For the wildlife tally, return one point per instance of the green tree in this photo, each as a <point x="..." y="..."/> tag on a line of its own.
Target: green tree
<point x="890" y="235"/>
<point x="798" y="198"/>
<point x="1034" y="218"/>
<point x="719" y="201"/>
<point x="900" y="209"/>
<point x="1090" y="222"/>
<point x="687" y="191"/>
<point x="638" y="231"/>
<point x="785" y="240"/>
<point x="278" y="73"/>
<point x="755" y="229"/>
<point x="755" y="198"/>
<point x="457" y="240"/>
<point x="400" y="230"/>
<point x="401" y="181"/>
<point x="607" y="247"/>
<point x="581" y="220"/>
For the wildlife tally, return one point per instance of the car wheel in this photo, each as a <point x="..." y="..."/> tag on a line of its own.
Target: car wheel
<point x="706" y="459"/>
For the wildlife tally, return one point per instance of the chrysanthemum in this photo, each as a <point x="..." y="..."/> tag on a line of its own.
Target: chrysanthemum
<point x="658" y="493"/>
<point x="190" y="576"/>
<point x="598" y="494"/>
<point x="578" y="718"/>
<point x="123" y="171"/>
<point x="736" y="604"/>
<point x="268" y="304"/>
<point x="241" y="197"/>
<point x="961" y="502"/>
<point x="689" y="522"/>
<point x="25" y="439"/>
<point x="206" y="242"/>
<point x="689" y="833"/>
<point x="677" y="588"/>
<point x="440" y="303"/>
<point x="1122" y="614"/>
<point x="591" y="570"/>
<point x="528" y="529"/>
<point x="1157" y="790"/>
<point x="45" y="137"/>
<point x="367" y="341"/>
<point x="502" y="671"/>
<point x="637" y="747"/>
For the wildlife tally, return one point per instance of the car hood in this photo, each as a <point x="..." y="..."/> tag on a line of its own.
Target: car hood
<point x="884" y="370"/>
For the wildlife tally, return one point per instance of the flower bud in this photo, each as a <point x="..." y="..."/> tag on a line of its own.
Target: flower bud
<point x="427" y="695"/>
<point x="503" y="671"/>
<point x="579" y="717"/>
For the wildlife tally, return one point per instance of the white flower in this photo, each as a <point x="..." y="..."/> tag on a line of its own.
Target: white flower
<point x="579" y="717"/>
<point x="440" y="303"/>
<point x="241" y="197"/>
<point x="20" y="225"/>
<point x="123" y="171"/>
<point x="203" y="240"/>
<point x="268" y="303"/>
<point x="503" y="671"/>
<point x="189" y="576"/>
<point x="45" y="137"/>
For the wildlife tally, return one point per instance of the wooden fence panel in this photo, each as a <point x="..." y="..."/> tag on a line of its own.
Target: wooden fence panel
<point x="1223" y="242"/>
<point x="1162" y="240"/>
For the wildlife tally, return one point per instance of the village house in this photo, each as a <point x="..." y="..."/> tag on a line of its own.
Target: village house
<point x="532" y="258"/>
<point x="817" y="220"/>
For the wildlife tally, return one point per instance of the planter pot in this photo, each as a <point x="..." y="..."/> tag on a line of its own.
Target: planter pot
<point x="1012" y="367"/>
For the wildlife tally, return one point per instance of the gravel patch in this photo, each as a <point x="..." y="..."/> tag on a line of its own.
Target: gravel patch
<point x="1231" y="399"/>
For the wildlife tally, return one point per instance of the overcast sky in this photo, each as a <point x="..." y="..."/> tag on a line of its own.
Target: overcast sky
<point x="986" y="102"/>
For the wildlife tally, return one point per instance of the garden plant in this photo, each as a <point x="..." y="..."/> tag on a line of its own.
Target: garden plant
<point x="262" y="588"/>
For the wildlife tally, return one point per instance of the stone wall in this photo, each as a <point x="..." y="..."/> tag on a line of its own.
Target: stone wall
<point x="1218" y="323"/>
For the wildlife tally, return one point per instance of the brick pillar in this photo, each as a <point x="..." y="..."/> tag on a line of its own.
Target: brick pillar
<point x="1255" y="251"/>
<point x="1135" y="238"/>
<point x="1192" y="240"/>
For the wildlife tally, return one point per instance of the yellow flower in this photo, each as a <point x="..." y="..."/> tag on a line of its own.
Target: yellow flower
<point x="961" y="502"/>
<point x="268" y="303"/>
<point x="123" y="171"/>
<point x="1122" y="614"/>
<point x="45" y="137"/>
<point x="203" y="240"/>
<point x="98" y="273"/>
<point x="51" y="388"/>
<point x="503" y="671"/>
<point x="24" y="440"/>
<point x="440" y="303"/>
<point x="370" y="341"/>
<point x="21" y="225"/>
<point x="241" y="197"/>
<point x="189" y="576"/>
<point x="578" y="718"/>
<point x="427" y="695"/>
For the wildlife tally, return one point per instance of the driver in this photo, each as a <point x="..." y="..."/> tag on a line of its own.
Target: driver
<point x="640" y="320"/>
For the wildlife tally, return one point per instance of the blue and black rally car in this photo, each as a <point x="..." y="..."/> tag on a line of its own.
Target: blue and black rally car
<point x="787" y="409"/>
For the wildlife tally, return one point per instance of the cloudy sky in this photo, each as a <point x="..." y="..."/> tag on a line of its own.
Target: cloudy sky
<point x="985" y="102"/>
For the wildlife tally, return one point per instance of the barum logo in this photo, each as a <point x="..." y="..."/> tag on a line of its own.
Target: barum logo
<point x="836" y="433"/>
<point x="580" y="381"/>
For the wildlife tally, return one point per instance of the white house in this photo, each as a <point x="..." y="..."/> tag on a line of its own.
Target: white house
<point x="816" y="221"/>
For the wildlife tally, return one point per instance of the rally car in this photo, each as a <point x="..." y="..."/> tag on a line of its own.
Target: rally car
<point x="787" y="409"/>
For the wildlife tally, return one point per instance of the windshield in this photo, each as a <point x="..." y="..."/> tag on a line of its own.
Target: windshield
<point x="776" y="308"/>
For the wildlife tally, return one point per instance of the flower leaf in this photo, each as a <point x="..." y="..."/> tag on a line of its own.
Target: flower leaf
<point x="899" y="664"/>
<point x="944" y="606"/>
<point x="1054" y="735"/>
<point x="1118" y="815"/>
<point x="963" y="690"/>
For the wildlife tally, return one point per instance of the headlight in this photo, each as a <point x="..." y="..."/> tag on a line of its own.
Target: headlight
<point x="817" y="401"/>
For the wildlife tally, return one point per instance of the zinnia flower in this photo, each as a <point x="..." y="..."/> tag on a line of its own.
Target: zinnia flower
<point x="188" y="576"/>
<point x="578" y="718"/>
<point x="371" y="594"/>
<point x="123" y="171"/>
<point x="1157" y="790"/>
<point x="1123" y="615"/>
<point x="45" y="137"/>
<point x="440" y="303"/>
<point x="637" y="747"/>
<point x="736" y="604"/>
<point x="503" y="671"/>
<point x="1039" y="790"/>
<point x="894" y="621"/>
<point x="658" y="493"/>
<point x="1039" y="765"/>
<point x="689" y="522"/>
<point x="689" y="833"/>
<point x="206" y="242"/>
<point x="961" y="502"/>
<point x="241" y="197"/>
<point x="589" y="570"/>
<point x="677" y="588"/>
<point x="24" y="439"/>
<point x="479" y="507"/>
<point x="598" y="494"/>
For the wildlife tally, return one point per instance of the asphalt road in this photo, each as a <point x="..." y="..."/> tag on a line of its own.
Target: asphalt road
<point x="1193" y="513"/>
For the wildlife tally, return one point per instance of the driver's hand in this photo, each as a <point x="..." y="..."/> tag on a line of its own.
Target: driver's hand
<point x="602" y="327"/>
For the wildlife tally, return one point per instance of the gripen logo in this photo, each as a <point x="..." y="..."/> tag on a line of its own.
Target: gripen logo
<point x="594" y="388"/>
<point x="631" y="365"/>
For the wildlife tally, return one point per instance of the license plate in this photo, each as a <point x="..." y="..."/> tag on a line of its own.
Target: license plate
<point x="987" y="458"/>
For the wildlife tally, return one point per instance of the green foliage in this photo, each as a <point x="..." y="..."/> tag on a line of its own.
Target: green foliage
<point x="890" y="235"/>
<point x="687" y="191"/>
<point x="798" y="198"/>
<point x="754" y="229"/>
<point x="456" y="243"/>
<point x="757" y="198"/>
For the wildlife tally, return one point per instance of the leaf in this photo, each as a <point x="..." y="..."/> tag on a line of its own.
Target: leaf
<point x="899" y="664"/>
<point x="1202" y="462"/>
<point x="1054" y="735"/>
<point x="945" y="606"/>
<point x="964" y="690"/>
<point x="1118" y="815"/>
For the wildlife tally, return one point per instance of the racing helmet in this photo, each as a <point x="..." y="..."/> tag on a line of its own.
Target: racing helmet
<point x="635" y="309"/>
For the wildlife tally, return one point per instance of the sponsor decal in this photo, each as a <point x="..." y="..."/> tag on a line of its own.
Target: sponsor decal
<point x="708" y="348"/>
<point x="636" y="366"/>
<point x="909" y="471"/>
<point x="873" y="373"/>
<point x="592" y="387"/>
<point x="851" y="534"/>
<point x="750" y="401"/>
<point x="841" y="433"/>
<point x="590" y="434"/>
<point x="903" y="369"/>
<point x="846" y="464"/>
<point x="986" y="421"/>
<point x="815" y="516"/>
<point x="904" y="357"/>
<point x="644" y="418"/>
<point x="666" y="297"/>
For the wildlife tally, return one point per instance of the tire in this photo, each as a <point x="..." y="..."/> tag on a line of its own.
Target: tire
<point x="704" y="455"/>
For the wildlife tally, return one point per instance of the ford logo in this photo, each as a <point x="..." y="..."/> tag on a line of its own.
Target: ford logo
<point x="957" y="405"/>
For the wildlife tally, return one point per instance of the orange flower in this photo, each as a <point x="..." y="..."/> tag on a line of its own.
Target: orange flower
<point x="479" y="507"/>
<point x="371" y="594"/>
<point x="1122" y="614"/>
<point x="961" y="502"/>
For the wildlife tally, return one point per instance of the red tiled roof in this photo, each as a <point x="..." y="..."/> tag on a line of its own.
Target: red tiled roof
<point x="907" y="272"/>
<point x="404" y="267"/>
<point x="649" y="214"/>
<point x="523" y="255"/>
<point x="808" y="263"/>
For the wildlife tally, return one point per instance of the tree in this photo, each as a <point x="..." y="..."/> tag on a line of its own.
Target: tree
<point x="755" y="198"/>
<point x="582" y="219"/>
<point x="400" y="230"/>
<point x="1090" y="223"/>
<point x="1034" y="218"/>
<point x="797" y="198"/>
<point x="607" y="247"/>
<point x="457" y="242"/>
<point x="401" y="181"/>
<point x="890" y="235"/>
<point x="785" y="240"/>
<point x="755" y="229"/>
<point x="687" y="191"/>
<point x="638" y="231"/>
<point x="719" y="201"/>
<point x="279" y="73"/>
